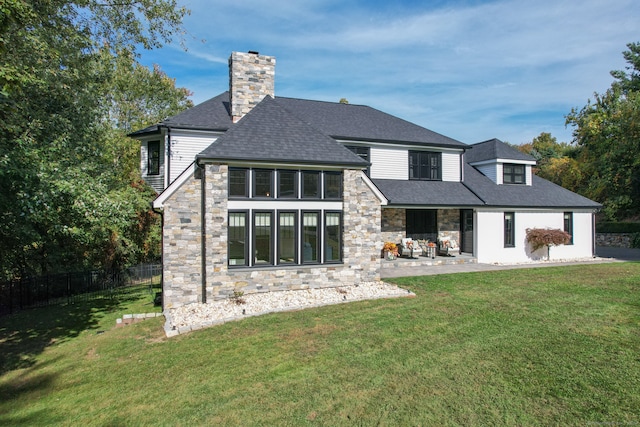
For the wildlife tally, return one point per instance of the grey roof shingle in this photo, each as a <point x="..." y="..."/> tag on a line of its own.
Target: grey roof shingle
<point x="212" y="114"/>
<point x="426" y="193"/>
<point x="363" y="123"/>
<point x="270" y="133"/>
<point x="540" y="194"/>
<point x="494" y="149"/>
<point x="340" y="121"/>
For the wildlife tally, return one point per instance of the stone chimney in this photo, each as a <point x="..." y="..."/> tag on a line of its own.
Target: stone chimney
<point x="251" y="78"/>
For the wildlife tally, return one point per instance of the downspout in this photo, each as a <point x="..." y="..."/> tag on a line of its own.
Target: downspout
<point x="168" y="162"/>
<point x="203" y="230"/>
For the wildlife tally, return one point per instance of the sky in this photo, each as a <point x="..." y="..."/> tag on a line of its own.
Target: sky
<point x="469" y="69"/>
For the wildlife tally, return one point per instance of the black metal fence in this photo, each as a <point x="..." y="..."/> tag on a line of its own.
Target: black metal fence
<point x="63" y="288"/>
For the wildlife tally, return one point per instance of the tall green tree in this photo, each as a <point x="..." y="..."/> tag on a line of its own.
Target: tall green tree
<point x="607" y="130"/>
<point x="70" y="197"/>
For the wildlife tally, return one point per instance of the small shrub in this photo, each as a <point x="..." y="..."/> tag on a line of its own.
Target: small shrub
<point x="237" y="297"/>
<point x="539" y="237"/>
<point x="617" y="227"/>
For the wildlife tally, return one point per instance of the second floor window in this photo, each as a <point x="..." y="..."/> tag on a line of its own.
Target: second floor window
<point x="363" y="152"/>
<point x="153" y="158"/>
<point x="425" y="166"/>
<point x="513" y="174"/>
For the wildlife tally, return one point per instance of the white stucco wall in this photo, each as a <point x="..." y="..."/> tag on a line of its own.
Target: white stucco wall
<point x="489" y="236"/>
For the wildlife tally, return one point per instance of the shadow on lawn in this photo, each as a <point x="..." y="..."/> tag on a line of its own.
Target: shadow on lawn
<point x="26" y="334"/>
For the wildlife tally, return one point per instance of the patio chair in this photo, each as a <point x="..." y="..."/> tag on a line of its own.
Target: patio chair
<point x="405" y="248"/>
<point x="448" y="248"/>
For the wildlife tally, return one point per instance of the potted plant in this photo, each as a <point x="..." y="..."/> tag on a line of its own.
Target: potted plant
<point x="390" y="251"/>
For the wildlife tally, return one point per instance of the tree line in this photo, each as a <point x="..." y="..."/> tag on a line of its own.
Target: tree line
<point x="603" y="160"/>
<point x="71" y="88"/>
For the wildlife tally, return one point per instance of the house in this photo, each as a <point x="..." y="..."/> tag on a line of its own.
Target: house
<point x="261" y="193"/>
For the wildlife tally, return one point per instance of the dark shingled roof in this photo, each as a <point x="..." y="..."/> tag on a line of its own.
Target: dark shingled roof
<point x="426" y="193"/>
<point x="209" y="115"/>
<point x="340" y="121"/>
<point x="360" y="122"/>
<point x="540" y="194"/>
<point x="494" y="149"/>
<point x="270" y="133"/>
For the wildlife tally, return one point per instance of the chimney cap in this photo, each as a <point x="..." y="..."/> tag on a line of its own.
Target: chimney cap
<point x="254" y="52"/>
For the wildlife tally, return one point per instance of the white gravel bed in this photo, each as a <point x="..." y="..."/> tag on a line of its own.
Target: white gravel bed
<point x="197" y="316"/>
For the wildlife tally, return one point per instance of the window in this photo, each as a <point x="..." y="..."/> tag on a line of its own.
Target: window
<point x="263" y="238"/>
<point x="287" y="237"/>
<point x="310" y="185"/>
<point x="425" y="165"/>
<point x="422" y="224"/>
<point x="310" y="237"/>
<point x="513" y="174"/>
<point x="153" y="158"/>
<point x="238" y="183"/>
<point x="237" y="246"/>
<point x="333" y="236"/>
<point x="287" y="184"/>
<point x="262" y="183"/>
<point x="332" y="185"/>
<point x="363" y="152"/>
<point x="509" y="230"/>
<point x="568" y="225"/>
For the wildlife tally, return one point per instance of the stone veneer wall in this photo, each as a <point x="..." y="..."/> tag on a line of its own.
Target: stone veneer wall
<point x="449" y="224"/>
<point x="619" y="240"/>
<point x="394" y="224"/>
<point x="181" y="246"/>
<point x="251" y="78"/>
<point x="361" y="245"/>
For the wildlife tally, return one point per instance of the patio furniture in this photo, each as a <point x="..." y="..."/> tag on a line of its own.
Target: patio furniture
<point x="448" y="248"/>
<point x="409" y="248"/>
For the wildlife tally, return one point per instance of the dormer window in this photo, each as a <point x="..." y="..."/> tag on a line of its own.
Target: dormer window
<point x="513" y="174"/>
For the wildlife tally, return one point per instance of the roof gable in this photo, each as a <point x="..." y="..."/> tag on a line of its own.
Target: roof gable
<point x="269" y="133"/>
<point x="494" y="149"/>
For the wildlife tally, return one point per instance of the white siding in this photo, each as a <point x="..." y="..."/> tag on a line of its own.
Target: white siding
<point x="155" y="181"/>
<point x="490" y="171"/>
<point x="184" y="148"/>
<point x="489" y="237"/>
<point x="451" y="167"/>
<point x="389" y="163"/>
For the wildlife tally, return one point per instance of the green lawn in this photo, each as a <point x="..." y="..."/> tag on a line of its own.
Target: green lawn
<point x="547" y="346"/>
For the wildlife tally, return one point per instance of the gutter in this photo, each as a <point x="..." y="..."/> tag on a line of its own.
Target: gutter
<point x="203" y="231"/>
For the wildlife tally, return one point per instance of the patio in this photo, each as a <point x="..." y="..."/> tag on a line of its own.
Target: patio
<point x="421" y="261"/>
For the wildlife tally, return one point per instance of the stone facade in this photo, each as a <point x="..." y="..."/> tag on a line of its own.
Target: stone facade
<point x="394" y="224"/>
<point x="619" y="240"/>
<point x="362" y="243"/>
<point x="251" y="78"/>
<point x="181" y="246"/>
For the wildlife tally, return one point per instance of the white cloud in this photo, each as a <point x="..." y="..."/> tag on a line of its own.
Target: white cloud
<point x="471" y="70"/>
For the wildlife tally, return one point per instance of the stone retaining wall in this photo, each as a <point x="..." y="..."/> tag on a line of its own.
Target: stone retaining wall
<point x="618" y="240"/>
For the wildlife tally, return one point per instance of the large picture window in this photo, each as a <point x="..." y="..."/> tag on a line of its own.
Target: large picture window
<point x="262" y="183"/>
<point x="237" y="243"/>
<point x="513" y="174"/>
<point x="153" y="158"/>
<point x="425" y="165"/>
<point x="310" y="185"/>
<point x="509" y="230"/>
<point x="422" y="224"/>
<point x="263" y="238"/>
<point x="310" y="237"/>
<point x="333" y="236"/>
<point x="287" y="184"/>
<point x="287" y="237"/>
<point x="238" y="182"/>
<point x="333" y="185"/>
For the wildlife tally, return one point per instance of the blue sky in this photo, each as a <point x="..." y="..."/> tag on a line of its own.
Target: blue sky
<point x="469" y="69"/>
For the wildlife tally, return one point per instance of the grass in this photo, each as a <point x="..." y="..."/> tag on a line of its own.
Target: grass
<point x="548" y="346"/>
